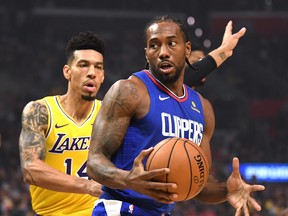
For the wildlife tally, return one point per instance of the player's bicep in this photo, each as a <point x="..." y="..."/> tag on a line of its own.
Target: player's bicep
<point x="32" y="138"/>
<point x="112" y="121"/>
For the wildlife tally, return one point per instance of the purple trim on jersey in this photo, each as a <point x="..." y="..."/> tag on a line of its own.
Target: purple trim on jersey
<point x="69" y="117"/>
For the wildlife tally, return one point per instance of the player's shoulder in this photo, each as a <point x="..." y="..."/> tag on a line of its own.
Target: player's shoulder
<point x="206" y="104"/>
<point x="33" y="106"/>
<point x="131" y="86"/>
<point x="129" y="93"/>
<point x="35" y="116"/>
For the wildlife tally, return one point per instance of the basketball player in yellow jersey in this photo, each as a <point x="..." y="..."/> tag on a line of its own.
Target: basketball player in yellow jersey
<point x="56" y="131"/>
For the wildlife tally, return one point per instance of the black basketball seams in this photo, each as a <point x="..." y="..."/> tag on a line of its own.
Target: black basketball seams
<point x="191" y="170"/>
<point x="204" y="158"/>
<point x="154" y="153"/>
<point x="169" y="158"/>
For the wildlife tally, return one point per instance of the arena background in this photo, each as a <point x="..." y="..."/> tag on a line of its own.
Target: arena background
<point x="249" y="92"/>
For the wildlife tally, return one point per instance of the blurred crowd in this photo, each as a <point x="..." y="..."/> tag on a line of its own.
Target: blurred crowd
<point x="249" y="94"/>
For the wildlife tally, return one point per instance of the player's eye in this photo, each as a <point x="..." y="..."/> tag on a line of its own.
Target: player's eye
<point x="172" y="43"/>
<point x="82" y="65"/>
<point x="153" y="46"/>
<point x="99" y="67"/>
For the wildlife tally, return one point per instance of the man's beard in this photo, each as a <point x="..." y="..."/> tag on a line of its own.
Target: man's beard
<point x="88" y="98"/>
<point x="164" y="78"/>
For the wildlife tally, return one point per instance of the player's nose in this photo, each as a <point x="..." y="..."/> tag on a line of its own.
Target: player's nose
<point x="91" y="71"/>
<point x="164" y="52"/>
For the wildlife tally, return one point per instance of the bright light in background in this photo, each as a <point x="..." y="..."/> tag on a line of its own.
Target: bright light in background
<point x="191" y="20"/>
<point x="198" y="32"/>
<point x="265" y="172"/>
<point x="207" y="43"/>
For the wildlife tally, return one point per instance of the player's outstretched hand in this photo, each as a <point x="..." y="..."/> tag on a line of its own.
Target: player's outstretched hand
<point x="239" y="192"/>
<point x="141" y="181"/>
<point x="230" y="40"/>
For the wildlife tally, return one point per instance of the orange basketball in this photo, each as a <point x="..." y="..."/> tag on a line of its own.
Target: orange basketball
<point x="187" y="162"/>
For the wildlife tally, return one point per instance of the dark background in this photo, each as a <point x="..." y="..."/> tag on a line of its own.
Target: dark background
<point x="249" y="92"/>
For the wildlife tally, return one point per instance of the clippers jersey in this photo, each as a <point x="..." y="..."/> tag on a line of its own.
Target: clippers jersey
<point x="67" y="147"/>
<point x="168" y="116"/>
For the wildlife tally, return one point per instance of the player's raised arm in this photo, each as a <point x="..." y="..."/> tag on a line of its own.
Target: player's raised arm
<point x="217" y="56"/>
<point x="229" y="42"/>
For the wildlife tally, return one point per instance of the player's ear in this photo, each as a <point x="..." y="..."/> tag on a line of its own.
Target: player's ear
<point x="147" y="61"/>
<point x="66" y="72"/>
<point x="188" y="49"/>
<point x="145" y="50"/>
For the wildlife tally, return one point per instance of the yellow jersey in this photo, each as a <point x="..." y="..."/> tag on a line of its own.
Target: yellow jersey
<point x="67" y="147"/>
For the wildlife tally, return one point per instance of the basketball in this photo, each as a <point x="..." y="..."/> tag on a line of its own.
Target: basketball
<point x="187" y="162"/>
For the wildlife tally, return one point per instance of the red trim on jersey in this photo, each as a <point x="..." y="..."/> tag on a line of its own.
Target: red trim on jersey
<point x="160" y="85"/>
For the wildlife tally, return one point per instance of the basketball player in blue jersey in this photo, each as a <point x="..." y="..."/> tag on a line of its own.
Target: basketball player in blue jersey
<point x="146" y="108"/>
<point x="56" y="132"/>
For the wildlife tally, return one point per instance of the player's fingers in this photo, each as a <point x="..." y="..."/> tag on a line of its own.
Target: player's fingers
<point x="253" y="203"/>
<point x="160" y="186"/>
<point x="142" y="155"/>
<point x="254" y="188"/>
<point x="235" y="165"/>
<point x="246" y="210"/>
<point x="241" y="32"/>
<point x="229" y="26"/>
<point x="238" y="212"/>
<point x="156" y="172"/>
<point x="228" y="31"/>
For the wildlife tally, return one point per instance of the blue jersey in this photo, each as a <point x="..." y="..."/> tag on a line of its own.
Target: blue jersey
<point x="168" y="116"/>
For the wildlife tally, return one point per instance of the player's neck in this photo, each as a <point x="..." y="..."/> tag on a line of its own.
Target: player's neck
<point x="77" y="108"/>
<point x="175" y="89"/>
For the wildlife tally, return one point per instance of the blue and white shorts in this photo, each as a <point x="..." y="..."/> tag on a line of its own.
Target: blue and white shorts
<point x="105" y="207"/>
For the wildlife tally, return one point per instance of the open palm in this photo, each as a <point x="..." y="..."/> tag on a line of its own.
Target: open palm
<point x="239" y="192"/>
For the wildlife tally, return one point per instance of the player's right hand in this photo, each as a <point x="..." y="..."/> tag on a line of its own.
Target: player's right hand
<point x="141" y="181"/>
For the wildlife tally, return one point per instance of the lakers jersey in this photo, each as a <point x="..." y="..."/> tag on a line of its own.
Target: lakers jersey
<point x="168" y="116"/>
<point x="67" y="145"/>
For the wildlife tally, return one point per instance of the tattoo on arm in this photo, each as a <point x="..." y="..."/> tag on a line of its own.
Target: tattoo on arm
<point x="119" y="110"/>
<point x="32" y="137"/>
<point x="222" y="55"/>
<point x="112" y="122"/>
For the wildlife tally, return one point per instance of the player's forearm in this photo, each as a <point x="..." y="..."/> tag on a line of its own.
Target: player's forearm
<point x="208" y="64"/>
<point x="40" y="174"/>
<point x="204" y="67"/>
<point x="220" y="55"/>
<point x="214" y="192"/>
<point x="102" y="170"/>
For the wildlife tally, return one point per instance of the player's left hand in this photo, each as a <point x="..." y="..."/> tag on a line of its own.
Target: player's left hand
<point x="239" y="192"/>
<point x="230" y="40"/>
